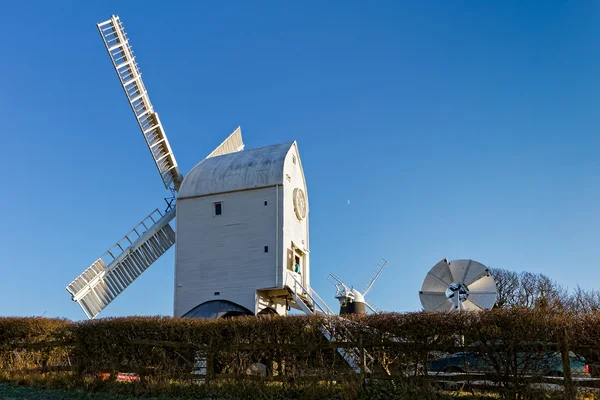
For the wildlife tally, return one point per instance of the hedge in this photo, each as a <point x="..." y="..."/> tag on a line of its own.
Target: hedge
<point x="292" y="351"/>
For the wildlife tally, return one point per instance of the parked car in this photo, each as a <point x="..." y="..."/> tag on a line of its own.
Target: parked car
<point x="544" y="364"/>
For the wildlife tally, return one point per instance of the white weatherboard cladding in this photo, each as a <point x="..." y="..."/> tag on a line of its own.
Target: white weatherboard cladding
<point x="295" y="230"/>
<point x="225" y="253"/>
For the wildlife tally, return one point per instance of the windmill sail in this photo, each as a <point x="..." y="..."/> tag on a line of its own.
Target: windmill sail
<point x="372" y="307"/>
<point x="458" y="285"/>
<point x="120" y="52"/>
<point x="112" y="273"/>
<point x="341" y="289"/>
<point x="374" y="276"/>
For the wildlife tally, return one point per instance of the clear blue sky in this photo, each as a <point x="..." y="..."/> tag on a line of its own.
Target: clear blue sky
<point x="456" y="129"/>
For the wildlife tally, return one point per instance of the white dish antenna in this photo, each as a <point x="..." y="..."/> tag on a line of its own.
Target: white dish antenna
<point x="458" y="285"/>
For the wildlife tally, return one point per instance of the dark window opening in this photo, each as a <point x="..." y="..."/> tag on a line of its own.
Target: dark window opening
<point x="266" y="249"/>
<point x="265" y="202"/>
<point x="218" y="209"/>
<point x="217" y="293"/>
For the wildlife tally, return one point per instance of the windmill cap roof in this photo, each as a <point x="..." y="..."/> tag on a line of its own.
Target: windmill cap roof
<point x="242" y="170"/>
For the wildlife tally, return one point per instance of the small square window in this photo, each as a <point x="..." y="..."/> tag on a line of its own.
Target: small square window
<point x="266" y="249"/>
<point x="265" y="202"/>
<point x="218" y="208"/>
<point x="217" y="293"/>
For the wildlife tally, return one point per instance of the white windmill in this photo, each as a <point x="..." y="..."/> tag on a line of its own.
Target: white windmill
<point x="458" y="285"/>
<point x="351" y="300"/>
<point x="242" y="221"/>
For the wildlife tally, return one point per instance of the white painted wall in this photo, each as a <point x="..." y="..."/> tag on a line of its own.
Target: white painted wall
<point x="294" y="229"/>
<point x="225" y="253"/>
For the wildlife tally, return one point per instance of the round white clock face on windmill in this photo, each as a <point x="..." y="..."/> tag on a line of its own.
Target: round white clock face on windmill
<point x="299" y="204"/>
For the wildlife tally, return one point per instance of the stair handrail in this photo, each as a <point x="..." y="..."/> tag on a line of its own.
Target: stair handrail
<point x="316" y="300"/>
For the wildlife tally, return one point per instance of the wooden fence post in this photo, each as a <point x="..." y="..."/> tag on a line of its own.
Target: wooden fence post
<point x="570" y="392"/>
<point x="363" y="361"/>
<point x="210" y="365"/>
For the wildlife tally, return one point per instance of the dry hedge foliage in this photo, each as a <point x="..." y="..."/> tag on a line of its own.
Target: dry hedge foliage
<point x="164" y="351"/>
<point x="28" y="343"/>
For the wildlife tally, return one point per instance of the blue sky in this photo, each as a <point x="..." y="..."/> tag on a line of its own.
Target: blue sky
<point x="458" y="129"/>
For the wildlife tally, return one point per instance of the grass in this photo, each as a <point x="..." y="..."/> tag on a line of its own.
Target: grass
<point x="10" y="391"/>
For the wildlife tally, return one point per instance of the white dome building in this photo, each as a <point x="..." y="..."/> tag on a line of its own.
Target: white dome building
<point x="242" y="243"/>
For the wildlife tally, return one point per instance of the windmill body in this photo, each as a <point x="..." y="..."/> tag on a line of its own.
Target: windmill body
<point x="353" y="304"/>
<point x="242" y="221"/>
<point x="242" y="226"/>
<point x="351" y="300"/>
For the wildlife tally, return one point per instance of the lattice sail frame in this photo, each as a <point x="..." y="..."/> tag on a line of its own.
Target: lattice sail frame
<point x="374" y="276"/>
<point x="121" y="54"/>
<point x="124" y="262"/>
